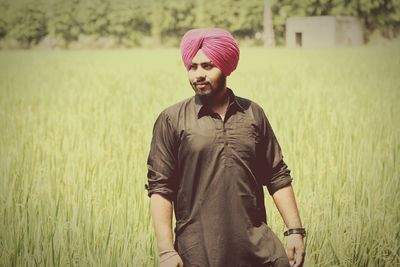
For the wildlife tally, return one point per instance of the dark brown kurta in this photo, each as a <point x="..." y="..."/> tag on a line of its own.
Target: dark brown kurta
<point x="213" y="170"/>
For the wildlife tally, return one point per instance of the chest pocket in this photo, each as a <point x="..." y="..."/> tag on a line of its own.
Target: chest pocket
<point x="244" y="137"/>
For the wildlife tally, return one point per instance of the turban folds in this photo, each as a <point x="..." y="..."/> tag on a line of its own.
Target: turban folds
<point x="217" y="44"/>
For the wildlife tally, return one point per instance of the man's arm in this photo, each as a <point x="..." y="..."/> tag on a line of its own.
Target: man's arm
<point x="286" y="203"/>
<point x="161" y="213"/>
<point x="161" y="164"/>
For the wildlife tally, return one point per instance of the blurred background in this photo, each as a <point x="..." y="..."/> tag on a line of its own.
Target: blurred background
<point x="82" y="83"/>
<point x="152" y="23"/>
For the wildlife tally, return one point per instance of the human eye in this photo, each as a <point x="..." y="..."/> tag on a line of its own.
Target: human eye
<point x="208" y="66"/>
<point x="193" y="67"/>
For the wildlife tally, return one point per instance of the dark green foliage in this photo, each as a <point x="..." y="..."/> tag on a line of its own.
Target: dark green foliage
<point x="171" y="19"/>
<point x="62" y="21"/>
<point x="3" y="20"/>
<point x="242" y="18"/>
<point x="128" y="23"/>
<point x="25" y="21"/>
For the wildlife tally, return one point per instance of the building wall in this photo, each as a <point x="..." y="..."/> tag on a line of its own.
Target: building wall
<point x="349" y="31"/>
<point x="323" y="31"/>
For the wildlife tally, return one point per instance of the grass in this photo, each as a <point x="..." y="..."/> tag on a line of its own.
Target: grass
<point x="75" y="128"/>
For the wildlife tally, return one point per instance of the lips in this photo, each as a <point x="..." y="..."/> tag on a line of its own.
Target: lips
<point x="201" y="84"/>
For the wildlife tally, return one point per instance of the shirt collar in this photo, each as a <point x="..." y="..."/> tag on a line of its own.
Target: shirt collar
<point x="202" y="110"/>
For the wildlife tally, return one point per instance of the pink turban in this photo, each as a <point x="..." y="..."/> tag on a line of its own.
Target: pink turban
<point x="217" y="44"/>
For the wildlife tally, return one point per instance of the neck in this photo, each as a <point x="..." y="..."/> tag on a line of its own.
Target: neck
<point x="220" y="102"/>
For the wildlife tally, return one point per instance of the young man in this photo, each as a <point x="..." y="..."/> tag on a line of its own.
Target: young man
<point x="210" y="156"/>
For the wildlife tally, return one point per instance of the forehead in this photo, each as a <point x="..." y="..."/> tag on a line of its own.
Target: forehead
<point x="200" y="57"/>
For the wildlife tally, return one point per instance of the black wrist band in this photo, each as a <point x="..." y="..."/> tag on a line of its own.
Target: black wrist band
<point x="290" y="231"/>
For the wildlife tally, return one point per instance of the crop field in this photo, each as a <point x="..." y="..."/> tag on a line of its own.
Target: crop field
<point x="75" y="130"/>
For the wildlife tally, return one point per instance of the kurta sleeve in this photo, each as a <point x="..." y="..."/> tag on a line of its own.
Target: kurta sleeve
<point x="276" y="174"/>
<point x="162" y="159"/>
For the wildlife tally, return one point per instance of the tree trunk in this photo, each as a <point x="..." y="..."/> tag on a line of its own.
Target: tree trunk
<point x="269" y="36"/>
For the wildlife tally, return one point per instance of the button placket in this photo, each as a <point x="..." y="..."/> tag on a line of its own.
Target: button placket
<point x="225" y="135"/>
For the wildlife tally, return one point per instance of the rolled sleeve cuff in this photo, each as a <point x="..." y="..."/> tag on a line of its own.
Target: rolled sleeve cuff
<point x="164" y="191"/>
<point x="280" y="178"/>
<point x="278" y="183"/>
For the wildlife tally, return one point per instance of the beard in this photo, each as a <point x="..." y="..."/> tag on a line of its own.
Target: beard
<point x="212" y="90"/>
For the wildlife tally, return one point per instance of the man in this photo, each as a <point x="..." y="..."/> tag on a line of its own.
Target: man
<point x="210" y="156"/>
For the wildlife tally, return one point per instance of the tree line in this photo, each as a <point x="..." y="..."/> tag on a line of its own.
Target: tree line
<point x="132" y="23"/>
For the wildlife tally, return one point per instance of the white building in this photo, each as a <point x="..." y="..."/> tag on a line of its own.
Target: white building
<point x="323" y="31"/>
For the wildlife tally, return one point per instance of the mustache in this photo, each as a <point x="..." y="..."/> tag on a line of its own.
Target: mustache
<point x="200" y="83"/>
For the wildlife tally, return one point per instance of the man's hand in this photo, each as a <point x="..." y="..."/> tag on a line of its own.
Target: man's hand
<point x="286" y="203"/>
<point x="296" y="250"/>
<point x="171" y="259"/>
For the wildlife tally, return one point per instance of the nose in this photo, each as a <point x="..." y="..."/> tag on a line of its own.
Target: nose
<point x="200" y="74"/>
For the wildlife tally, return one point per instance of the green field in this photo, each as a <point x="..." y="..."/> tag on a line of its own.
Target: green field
<point x="75" y="129"/>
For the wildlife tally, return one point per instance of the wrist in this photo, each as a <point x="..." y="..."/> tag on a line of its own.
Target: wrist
<point x="166" y="251"/>
<point x="295" y="230"/>
<point x="166" y="254"/>
<point x="165" y="245"/>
